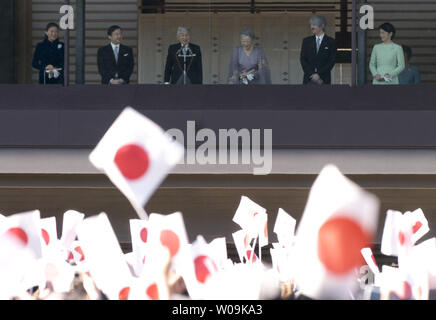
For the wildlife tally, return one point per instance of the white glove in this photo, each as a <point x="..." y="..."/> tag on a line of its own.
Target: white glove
<point x="56" y="73"/>
<point x="250" y="76"/>
<point x="244" y="81"/>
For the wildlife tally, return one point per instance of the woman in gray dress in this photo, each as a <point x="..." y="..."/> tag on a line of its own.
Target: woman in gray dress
<point x="249" y="64"/>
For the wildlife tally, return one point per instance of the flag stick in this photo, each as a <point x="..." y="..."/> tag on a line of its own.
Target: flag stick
<point x="252" y="250"/>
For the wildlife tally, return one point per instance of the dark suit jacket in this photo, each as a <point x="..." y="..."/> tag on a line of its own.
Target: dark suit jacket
<point x="107" y="67"/>
<point x="321" y="63"/>
<point x="174" y="65"/>
<point x="47" y="53"/>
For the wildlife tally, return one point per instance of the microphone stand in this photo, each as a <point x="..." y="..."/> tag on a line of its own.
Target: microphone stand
<point x="184" y="55"/>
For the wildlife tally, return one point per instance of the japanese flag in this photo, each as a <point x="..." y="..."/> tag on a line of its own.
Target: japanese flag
<point x="104" y="256"/>
<point x="203" y="268"/>
<point x="243" y="246"/>
<point x="390" y="236"/>
<point x="71" y="220"/>
<point x="136" y="155"/>
<point x="147" y="288"/>
<point x="139" y="236"/>
<point x="27" y="228"/>
<point x="152" y="283"/>
<point x="418" y="222"/>
<point x="169" y="231"/>
<point x="76" y="253"/>
<point x="401" y="231"/>
<point x="14" y="265"/>
<point x="245" y="216"/>
<point x="284" y="228"/>
<point x="339" y="220"/>
<point x="49" y="236"/>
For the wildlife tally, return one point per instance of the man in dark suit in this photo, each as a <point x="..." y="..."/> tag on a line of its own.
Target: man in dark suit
<point x="318" y="53"/>
<point x="115" y="61"/>
<point x="175" y="65"/>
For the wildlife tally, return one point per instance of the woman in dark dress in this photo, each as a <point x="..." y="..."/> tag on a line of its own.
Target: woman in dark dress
<point x="49" y="57"/>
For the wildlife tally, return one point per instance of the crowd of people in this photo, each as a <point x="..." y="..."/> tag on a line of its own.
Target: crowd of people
<point x="389" y="63"/>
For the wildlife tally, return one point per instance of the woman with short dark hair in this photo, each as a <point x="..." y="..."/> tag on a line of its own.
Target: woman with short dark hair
<point x="49" y="57"/>
<point x="248" y="64"/>
<point x="387" y="58"/>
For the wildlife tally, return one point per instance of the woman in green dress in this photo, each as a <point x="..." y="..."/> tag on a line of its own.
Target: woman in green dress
<point x="387" y="58"/>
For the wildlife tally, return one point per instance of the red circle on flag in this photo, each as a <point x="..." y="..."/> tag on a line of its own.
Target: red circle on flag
<point x="416" y="226"/>
<point x="153" y="292"/>
<point x="124" y="293"/>
<point x="265" y="230"/>
<point x="143" y="234"/>
<point x="401" y="238"/>
<point x="204" y="266"/>
<point x="18" y="233"/>
<point x="70" y="256"/>
<point x="132" y="161"/>
<point x="340" y="240"/>
<point x="45" y="236"/>
<point x="170" y="240"/>
<point x="249" y="256"/>
<point x="79" y="250"/>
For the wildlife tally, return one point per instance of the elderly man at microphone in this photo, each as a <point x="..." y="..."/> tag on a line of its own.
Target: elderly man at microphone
<point x="184" y="65"/>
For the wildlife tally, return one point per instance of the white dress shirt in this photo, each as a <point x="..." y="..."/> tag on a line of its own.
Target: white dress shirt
<point x="117" y="47"/>
<point x="320" y="37"/>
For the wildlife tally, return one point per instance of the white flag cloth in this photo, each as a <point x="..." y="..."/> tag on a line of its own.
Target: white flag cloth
<point x="49" y="236"/>
<point x="136" y="155"/>
<point x="198" y="273"/>
<point x="71" y="221"/>
<point x="104" y="256"/>
<point x="139" y="234"/>
<point x="401" y="231"/>
<point x="27" y="228"/>
<point x="242" y="243"/>
<point x="15" y="261"/>
<point x="339" y="219"/>
<point x="169" y="231"/>
<point x="245" y="216"/>
<point x="219" y="251"/>
<point x="370" y="260"/>
<point x="284" y="228"/>
<point x="261" y="221"/>
<point x="418" y="222"/>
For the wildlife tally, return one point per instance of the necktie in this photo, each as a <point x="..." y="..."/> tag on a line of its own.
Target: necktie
<point x="318" y="44"/>
<point x="116" y="49"/>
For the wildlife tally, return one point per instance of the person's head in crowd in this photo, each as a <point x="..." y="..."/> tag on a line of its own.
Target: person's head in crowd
<point x="52" y="32"/>
<point x="247" y="39"/>
<point x="387" y="32"/>
<point x="407" y="54"/>
<point x="114" y="34"/>
<point x="183" y="35"/>
<point x="318" y="25"/>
